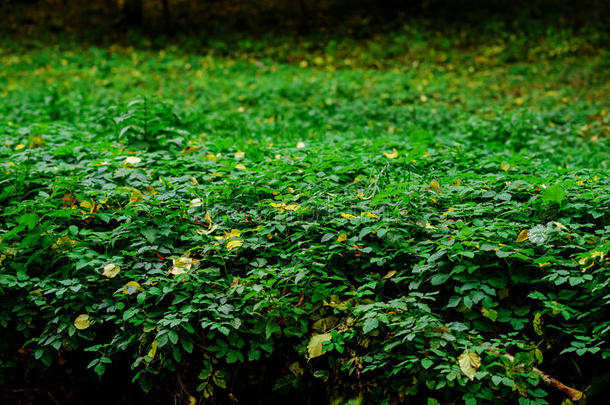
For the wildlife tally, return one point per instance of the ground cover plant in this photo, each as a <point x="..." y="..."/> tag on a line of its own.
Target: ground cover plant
<point x="417" y="218"/>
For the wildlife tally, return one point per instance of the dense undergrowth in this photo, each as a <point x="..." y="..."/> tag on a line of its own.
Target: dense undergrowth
<point x="375" y="221"/>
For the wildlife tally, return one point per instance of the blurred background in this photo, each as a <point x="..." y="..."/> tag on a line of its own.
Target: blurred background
<point x="104" y="19"/>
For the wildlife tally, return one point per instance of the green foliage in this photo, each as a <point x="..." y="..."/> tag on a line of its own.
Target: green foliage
<point x="226" y="224"/>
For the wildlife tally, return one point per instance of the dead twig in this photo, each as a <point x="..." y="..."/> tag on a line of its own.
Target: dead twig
<point x="572" y="393"/>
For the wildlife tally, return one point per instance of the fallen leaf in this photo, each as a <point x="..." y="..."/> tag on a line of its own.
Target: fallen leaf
<point x="63" y="242"/>
<point x="228" y="235"/>
<point x="86" y="204"/>
<point x="177" y="270"/>
<point x="182" y="265"/>
<point x="131" y="161"/>
<point x="111" y="270"/>
<point x="314" y="347"/>
<point x="392" y="155"/>
<point x="389" y="274"/>
<point x="368" y="214"/>
<point x="207" y="232"/>
<point x="234" y="243"/>
<point x="82" y="322"/>
<point x="185" y="262"/>
<point x="131" y="287"/>
<point x="208" y="219"/>
<point x="196" y="203"/>
<point x="285" y="207"/>
<point x="523" y="236"/>
<point x="469" y="364"/>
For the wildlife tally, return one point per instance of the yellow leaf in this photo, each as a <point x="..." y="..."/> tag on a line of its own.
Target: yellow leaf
<point x="240" y="155"/>
<point x="348" y="216"/>
<point x="20" y="146"/>
<point x="208" y="219"/>
<point x="228" y="235"/>
<point x="368" y="214"/>
<point x="300" y="145"/>
<point x="389" y="274"/>
<point x="86" y="204"/>
<point x="504" y="166"/>
<point x="523" y="236"/>
<point x="182" y="264"/>
<point x="212" y="157"/>
<point x="392" y="155"/>
<point x="153" y="350"/>
<point x="537" y="323"/>
<point x="314" y="347"/>
<point x="177" y="270"/>
<point x="82" y="322"/>
<point x="208" y="231"/>
<point x="234" y="243"/>
<point x="63" y="242"/>
<point x="111" y="270"/>
<point x="195" y="203"/>
<point x="342" y="238"/>
<point x="296" y="369"/>
<point x="469" y="364"/>
<point x="240" y="166"/>
<point x="233" y="234"/>
<point x="136" y="195"/>
<point x="131" y="288"/>
<point x="131" y="160"/>
<point x="435" y="186"/>
<point x="599" y="254"/>
<point x="285" y="207"/>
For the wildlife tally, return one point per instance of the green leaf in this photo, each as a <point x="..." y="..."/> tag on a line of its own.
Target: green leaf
<point x="30" y="220"/>
<point x="150" y="235"/>
<point x="427" y="363"/>
<point x="100" y="369"/>
<point x="146" y="383"/>
<point x="554" y="193"/>
<point x="370" y="324"/>
<point x="271" y="328"/>
<point x="173" y="336"/>
<point x="439" y="279"/>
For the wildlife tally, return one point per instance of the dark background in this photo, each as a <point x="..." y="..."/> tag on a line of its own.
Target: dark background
<point x="100" y="19"/>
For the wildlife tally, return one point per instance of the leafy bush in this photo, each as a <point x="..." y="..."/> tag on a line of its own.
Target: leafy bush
<point x="330" y="234"/>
